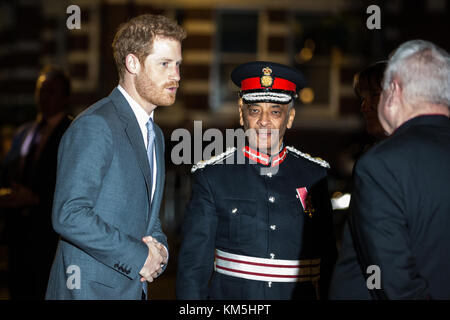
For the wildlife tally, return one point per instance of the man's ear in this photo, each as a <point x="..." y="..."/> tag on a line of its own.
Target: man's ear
<point x="291" y="117"/>
<point x="394" y="94"/>
<point x="132" y="64"/>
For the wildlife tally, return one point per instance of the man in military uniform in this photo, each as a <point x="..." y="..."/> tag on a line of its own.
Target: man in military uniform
<point x="259" y="222"/>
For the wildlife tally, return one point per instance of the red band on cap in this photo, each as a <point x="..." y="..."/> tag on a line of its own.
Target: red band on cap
<point x="278" y="83"/>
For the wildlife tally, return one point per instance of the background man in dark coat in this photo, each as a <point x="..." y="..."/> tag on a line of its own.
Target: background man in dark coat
<point x="29" y="175"/>
<point x="259" y="222"/>
<point x="400" y="208"/>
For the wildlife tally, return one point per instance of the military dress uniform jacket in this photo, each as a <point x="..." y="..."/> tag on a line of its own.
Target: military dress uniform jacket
<point x="259" y="210"/>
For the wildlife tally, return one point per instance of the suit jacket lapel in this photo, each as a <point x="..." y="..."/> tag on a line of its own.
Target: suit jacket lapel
<point x="134" y="135"/>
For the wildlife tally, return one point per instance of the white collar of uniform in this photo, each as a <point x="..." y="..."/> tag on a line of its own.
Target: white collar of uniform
<point x="141" y="115"/>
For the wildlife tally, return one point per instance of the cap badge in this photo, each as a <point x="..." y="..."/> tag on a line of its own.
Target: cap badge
<point x="266" y="79"/>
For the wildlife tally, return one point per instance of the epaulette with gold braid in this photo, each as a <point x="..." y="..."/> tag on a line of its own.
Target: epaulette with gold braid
<point x="213" y="160"/>
<point x="317" y="160"/>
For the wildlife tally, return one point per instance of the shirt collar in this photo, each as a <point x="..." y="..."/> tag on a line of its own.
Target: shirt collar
<point x="141" y="115"/>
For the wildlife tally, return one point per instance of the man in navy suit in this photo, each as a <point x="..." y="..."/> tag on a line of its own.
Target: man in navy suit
<point x="396" y="244"/>
<point x="110" y="176"/>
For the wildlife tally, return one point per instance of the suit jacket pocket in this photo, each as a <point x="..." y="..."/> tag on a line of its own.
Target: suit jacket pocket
<point x="237" y="217"/>
<point x="92" y="270"/>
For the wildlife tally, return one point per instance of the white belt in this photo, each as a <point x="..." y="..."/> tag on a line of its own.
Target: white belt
<point x="275" y="270"/>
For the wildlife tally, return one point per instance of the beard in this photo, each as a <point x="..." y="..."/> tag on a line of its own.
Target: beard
<point x="154" y="94"/>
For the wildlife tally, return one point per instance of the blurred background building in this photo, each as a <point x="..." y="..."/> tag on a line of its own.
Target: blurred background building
<point x="328" y="40"/>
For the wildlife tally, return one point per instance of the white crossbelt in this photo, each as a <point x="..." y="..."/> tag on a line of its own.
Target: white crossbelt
<point x="275" y="270"/>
